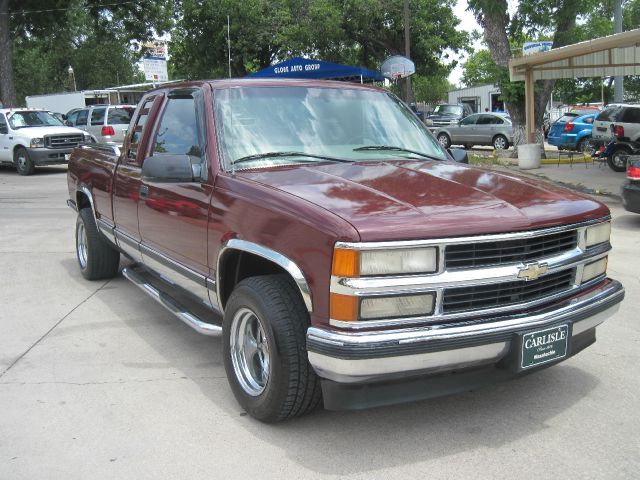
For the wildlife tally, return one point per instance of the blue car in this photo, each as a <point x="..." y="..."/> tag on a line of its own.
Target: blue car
<point x="572" y="131"/>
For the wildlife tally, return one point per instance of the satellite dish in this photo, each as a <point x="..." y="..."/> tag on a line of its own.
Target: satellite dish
<point x="397" y="67"/>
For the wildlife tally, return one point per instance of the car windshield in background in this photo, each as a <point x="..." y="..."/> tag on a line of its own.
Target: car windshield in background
<point x="26" y="118"/>
<point x="448" y="110"/>
<point x="276" y="125"/>
<point x="568" y="117"/>
<point x="609" y="114"/>
<point x="118" y="116"/>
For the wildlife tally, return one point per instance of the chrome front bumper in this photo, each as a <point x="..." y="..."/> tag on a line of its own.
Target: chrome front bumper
<point x="370" y="356"/>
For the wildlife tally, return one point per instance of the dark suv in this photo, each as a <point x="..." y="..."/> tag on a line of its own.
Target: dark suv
<point x="620" y="122"/>
<point x="446" y="115"/>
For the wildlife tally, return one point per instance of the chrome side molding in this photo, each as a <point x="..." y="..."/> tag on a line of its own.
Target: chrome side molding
<point x="172" y="305"/>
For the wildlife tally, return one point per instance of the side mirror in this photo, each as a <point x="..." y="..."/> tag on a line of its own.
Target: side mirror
<point x="4" y="130"/>
<point x="171" y="168"/>
<point x="68" y="123"/>
<point x="458" y="155"/>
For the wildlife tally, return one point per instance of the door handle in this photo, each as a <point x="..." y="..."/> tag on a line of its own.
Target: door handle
<point x="144" y="191"/>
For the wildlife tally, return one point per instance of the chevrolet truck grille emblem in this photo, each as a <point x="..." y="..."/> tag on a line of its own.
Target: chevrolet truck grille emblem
<point x="531" y="271"/>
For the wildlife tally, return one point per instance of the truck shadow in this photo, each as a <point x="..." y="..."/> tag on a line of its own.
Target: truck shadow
<point x="343" y="443"/>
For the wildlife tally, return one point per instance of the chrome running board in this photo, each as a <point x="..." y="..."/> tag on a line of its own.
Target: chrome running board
<point x="171" y="304"/>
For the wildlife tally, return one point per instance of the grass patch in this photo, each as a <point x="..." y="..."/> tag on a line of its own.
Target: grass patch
<point x="489" y="160"/>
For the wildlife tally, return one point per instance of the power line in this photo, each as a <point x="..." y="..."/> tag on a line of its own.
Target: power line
<point x="79" y="7"/>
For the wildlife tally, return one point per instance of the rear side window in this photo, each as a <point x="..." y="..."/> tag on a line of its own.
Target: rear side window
<point x="119" y="116"/>
<point x="178" y="132"/>
<point x="82" y="117"/>
<point x="97" y="116"/>
<point x="608" y="114"/>
<point x="630" y="115"/>
<point x="588" y="120"/>
<point x="3" y="124"/>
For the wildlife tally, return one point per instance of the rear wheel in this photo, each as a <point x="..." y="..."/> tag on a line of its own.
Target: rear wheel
<point x="24" y="164"/>
<point x="618" y="160"/>
<point x="583" y="145"/>
<point x="264" y="347"/>
<point x="500" y="142"/>
<point x="96" y="258"/>
<point x="444" y="140"/>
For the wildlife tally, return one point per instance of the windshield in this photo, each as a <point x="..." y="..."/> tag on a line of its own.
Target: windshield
<point x="29" y="118"/>
<point x="448" y="109"/>
<point x="322" y="122"/>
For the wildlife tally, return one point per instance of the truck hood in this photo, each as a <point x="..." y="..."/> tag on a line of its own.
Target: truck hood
<point x="37" y="132"/>
<point x="402" y="200"/>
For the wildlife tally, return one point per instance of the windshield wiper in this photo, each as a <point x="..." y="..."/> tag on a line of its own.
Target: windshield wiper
<point x="390" y="148"/>
<point x="259" y="156"/>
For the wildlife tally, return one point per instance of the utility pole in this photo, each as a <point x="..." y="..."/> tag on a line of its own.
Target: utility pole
<point x="618" y="85"/>
<point x="407" y="51"/>
<point x="229" y="42"/>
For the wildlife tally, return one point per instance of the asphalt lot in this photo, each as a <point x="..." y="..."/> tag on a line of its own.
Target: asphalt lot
<point x="97" y="381"/>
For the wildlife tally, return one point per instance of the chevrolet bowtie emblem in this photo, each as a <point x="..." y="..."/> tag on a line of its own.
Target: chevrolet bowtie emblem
<point x="531" y="271"/>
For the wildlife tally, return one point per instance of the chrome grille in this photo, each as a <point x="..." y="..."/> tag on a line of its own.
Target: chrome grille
<point x="509" y="251"/>
<point x="63" y="141"/>
<point x="508" y="293"/>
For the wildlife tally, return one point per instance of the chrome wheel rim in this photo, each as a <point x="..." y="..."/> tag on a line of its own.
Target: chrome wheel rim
<point x="249" y="352"/>
<point x="81" y="245"/>
<point x="443" y="141"/>
<point x="22" y="162"/>
<point x="619" y="159"/>
<point x="499" y="143"/>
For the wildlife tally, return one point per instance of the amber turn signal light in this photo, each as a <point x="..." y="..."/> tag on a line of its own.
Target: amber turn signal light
<point x="343" y="307"/>
<point x="346" y="263"/>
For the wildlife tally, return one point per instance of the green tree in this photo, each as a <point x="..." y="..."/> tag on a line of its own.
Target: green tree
<point x="92" y="35"/>
<point x="479" y="69"/>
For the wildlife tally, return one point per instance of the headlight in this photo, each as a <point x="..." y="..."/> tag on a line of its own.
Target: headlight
<point x="402" y="306"/>
<point x="429" y="122"/>
<point x="37" y="142"/>
<point x="400" y="261"/>
<point x="87" y="138"/>
<point x="594" y="269"/>
<point x="598" y="234"/>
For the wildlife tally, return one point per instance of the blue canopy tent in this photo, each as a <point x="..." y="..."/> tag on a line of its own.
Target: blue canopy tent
<point x="298" y="67"/>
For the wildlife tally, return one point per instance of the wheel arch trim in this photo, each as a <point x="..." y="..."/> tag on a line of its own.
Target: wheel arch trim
<point x="277" y="258"/>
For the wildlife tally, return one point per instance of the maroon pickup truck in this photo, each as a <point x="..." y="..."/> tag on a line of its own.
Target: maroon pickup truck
<point x="340" y="251"/>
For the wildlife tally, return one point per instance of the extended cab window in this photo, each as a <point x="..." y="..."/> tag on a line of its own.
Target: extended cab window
<point x="138" y="129"/>
<point x="178" y="132"/>
<point x="97" y="116"/>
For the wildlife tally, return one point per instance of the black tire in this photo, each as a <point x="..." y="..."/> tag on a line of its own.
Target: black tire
<point x="444" y="140"/>
<point x="22" y="161"/>
<point x="468" y="147"/>
<point x="500" y="142"/>
<point x="98" y="259"/>
<point x="292" y="387"/>
<point x="618" y="160"/>
<point x="583" y="145"/>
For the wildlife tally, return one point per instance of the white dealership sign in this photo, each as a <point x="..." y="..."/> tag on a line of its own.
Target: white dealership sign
<point x="536" y="47"/>
<point x="155" y="62"/>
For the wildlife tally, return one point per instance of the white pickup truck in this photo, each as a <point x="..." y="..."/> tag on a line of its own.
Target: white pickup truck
<point x="31" y="137"/>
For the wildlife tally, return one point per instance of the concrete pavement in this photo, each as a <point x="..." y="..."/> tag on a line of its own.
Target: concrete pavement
<point x="98" y="381"/>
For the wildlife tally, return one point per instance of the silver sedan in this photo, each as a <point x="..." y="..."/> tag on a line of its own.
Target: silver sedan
<point x="478" y="129"/>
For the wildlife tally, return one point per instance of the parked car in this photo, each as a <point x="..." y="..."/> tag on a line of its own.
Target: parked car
<point x="618" y="122"/>
<point x="447" y="115"/>
<point x="31" y="137"/>
<point x="478" y="129"/>
<point x="336" y="247"/>
<point x="107" y="123"/>
<point x="631" y="188"/>
<point x="572" y="131"/>
<point x="551" y="117"/>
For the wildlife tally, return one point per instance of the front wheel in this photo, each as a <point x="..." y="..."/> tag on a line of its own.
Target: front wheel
<point x="444" y="140"/>
<point x="264" y="348"/>
<point x="500" y="142"/>
<point x="618" y="160"/>
<point x="97" y="259"/>
<point x="24" y="164"/>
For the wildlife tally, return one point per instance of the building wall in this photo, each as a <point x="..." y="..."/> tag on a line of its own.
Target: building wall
<point x="479" y="97"/>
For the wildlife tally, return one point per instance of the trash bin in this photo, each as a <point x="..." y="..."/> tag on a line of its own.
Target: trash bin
<point x="529" y="156"/>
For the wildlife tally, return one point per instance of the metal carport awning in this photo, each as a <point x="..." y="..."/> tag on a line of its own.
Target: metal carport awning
<point x="617" y="54"/>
